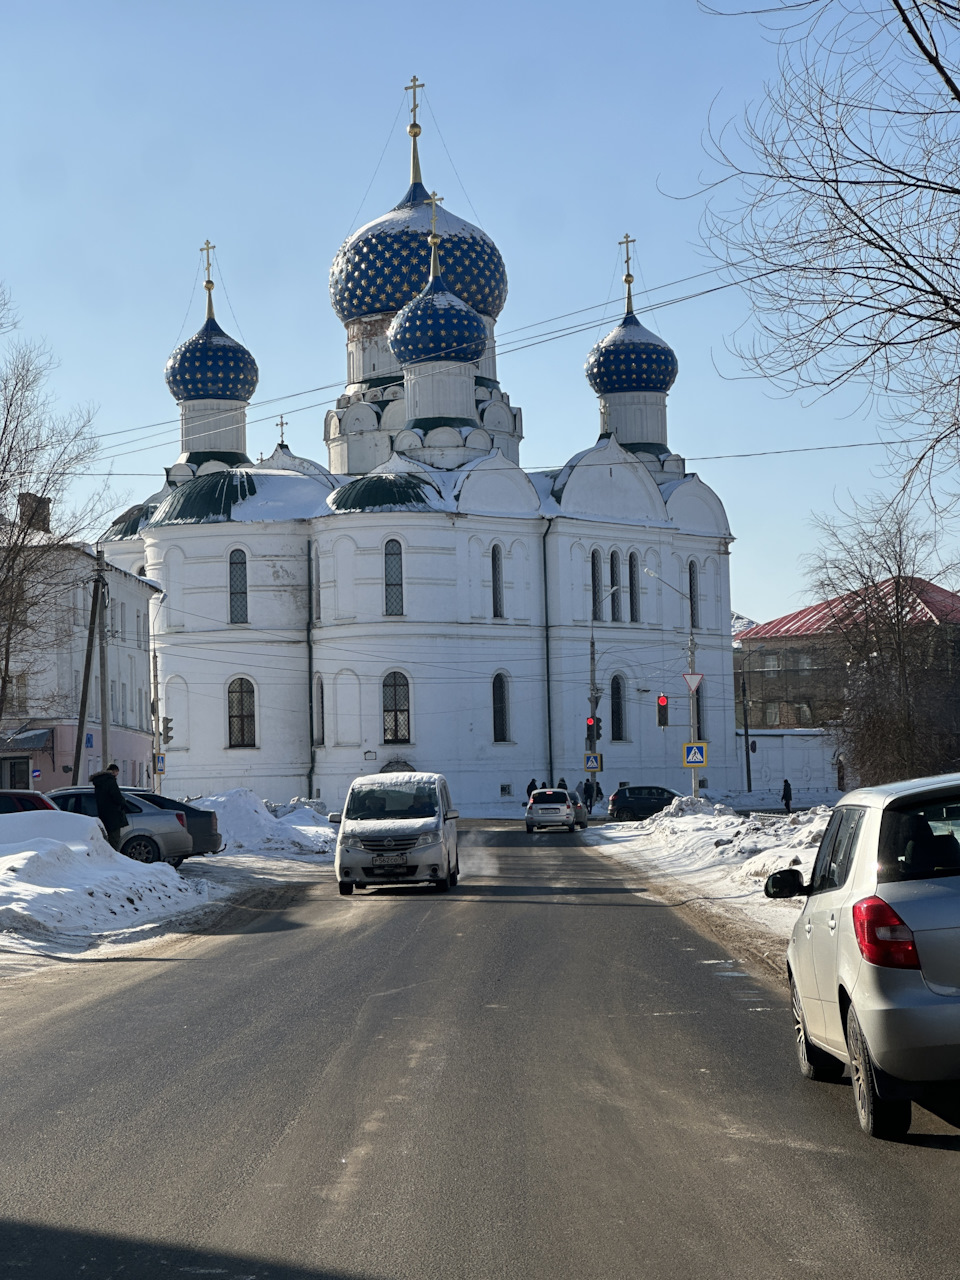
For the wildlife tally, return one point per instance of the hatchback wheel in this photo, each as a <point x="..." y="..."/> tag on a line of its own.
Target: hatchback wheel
<point x="814" y="1063"/>
<point x="623" y="815"/>
<point x="141" y="849"/>
<point x="879" y="1117"/>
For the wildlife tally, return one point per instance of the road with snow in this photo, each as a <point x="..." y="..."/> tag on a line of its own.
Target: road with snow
<point x="546" y="1073"/>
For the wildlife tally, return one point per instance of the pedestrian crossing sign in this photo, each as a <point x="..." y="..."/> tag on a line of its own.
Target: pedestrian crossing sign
<point x="694" y="755"/>
<point x="592" y="762"/>
<point x="160" y="763"/>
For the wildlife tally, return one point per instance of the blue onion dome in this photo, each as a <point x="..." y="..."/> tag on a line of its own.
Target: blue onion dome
<point x="631" y="358"/>
<point x="437" y="325"/>
<point x="384" y="265"/>
<point x="211" y="366"/>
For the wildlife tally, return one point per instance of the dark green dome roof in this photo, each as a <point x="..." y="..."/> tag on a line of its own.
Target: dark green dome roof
<point x="205" y="499"/>
<point x="403" y="492"/>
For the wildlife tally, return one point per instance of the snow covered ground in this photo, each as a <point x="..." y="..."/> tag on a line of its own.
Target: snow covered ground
<point x="64" y="890"/>
<point x="711" y="854"/>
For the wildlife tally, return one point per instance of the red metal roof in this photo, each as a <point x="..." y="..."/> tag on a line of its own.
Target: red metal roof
<point x="925" y="602"/>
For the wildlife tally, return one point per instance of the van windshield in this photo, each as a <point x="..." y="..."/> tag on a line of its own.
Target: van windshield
<point x="919" y="840"/>
<point x="415" y="800"/>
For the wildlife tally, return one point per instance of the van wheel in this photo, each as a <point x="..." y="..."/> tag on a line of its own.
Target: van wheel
<point x="455" y="874"/>
<point x="443" y="882"/>
<point x="346" y="888"/>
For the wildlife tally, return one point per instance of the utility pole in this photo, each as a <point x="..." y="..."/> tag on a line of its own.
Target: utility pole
<point x="155" y="710"/>
<point x="746" y="725"/>
<point x="87" y="664"/>
<point x="104" y="666"/>
<point x="595" y="694"/>
<point x="694" y="735"/>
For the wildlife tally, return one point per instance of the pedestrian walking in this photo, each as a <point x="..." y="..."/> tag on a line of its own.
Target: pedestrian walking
<point x="531" y="787"/>
<point x="111" y="806"/>
<point x="562" y="784"/>
<point x="580" y="793"/>
<point x="589" y="791"/>
<point x="786" y="795"/>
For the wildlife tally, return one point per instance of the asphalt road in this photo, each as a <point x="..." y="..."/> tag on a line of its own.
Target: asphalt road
<point x="546" y="1073"/>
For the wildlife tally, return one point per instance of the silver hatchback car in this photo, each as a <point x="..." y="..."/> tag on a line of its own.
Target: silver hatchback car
<point x="552" y="808"/>
<point x="874" y="959"/>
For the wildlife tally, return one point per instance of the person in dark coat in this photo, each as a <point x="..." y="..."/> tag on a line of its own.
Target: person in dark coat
<point x="786" y="795"/>
<point x="531" y="787"/>
<point x="111" y="806"/>
<point x="589" y="791"/>
<point x="562" y="784"/>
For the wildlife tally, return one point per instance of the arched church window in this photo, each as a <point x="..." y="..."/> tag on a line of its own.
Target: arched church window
<point x="393" y="585"/>
<point x="501" y="709"/>
<point x="396" y="707"/>
<point x="242" y="713"/>
<point x="238" y="587"/>
<point x="694" y="581"/>
<point x="616" y="709"/>
<point x="633" y="569"/>
<point x="496" y="566"/>
<point x="616" y="608"/>
<point x="596" y="584"/>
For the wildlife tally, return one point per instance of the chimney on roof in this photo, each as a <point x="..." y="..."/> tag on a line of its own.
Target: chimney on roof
<point x="34" y="512"/>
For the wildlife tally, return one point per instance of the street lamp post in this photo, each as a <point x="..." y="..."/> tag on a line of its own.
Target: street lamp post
<point x="744" y="660"/>
<point x="692" y="663"/>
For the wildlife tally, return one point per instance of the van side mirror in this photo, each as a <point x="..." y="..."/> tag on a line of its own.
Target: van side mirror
<point x="453" y="813"/>
<point x="786" y="884"/>
<point x="334" y="817"/>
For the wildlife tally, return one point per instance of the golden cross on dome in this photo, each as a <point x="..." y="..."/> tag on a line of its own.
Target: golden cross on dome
<point x="433" y="239"/>
<point x="414" y="84"/>
<point x="627" y="241"/>
<point x="207" y="248"/>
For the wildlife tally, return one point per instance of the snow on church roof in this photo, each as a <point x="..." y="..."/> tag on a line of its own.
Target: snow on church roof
<point x="244" y="495"/>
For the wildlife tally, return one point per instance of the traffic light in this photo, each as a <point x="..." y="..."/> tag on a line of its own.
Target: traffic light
<point x="592" y="734"/>
<point x="598" y="730"/>
<point x="663" y="711"/>
<point x="167" y="731"/>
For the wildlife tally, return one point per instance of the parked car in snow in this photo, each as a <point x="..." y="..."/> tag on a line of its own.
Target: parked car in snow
<point x="630" y="804"/>
<point x="201" y="823"/>
<point x="874" y="958"/>
<point x="14" y="801"/>
<point x="552" y="808"/>
<point x="154" y="835"/>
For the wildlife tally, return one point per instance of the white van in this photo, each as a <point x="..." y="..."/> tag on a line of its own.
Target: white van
<point x="397" y="828"/>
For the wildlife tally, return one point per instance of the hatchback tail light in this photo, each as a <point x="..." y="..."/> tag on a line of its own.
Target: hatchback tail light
<point x="180" y="818"/>
<point x="882" y="936"/>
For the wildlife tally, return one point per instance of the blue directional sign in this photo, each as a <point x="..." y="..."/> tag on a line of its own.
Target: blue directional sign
<point x="592" y="762"/>
<point x="161" y="763"/>
<point x="694" y="755"/>
<point x="88" y="740"/>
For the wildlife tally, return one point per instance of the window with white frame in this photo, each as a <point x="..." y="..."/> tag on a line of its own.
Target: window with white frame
<point x="634" y="572"/>
<point x="616" y="607"/>
<point x="238" y="586"/>
<point x="617" y="701"/>
<point x="242" y="713"/>
<point x="396" y="707"/>
<point x="393" y="584"/>
<point x="496" y="568"/>
<point x="693" y="583"/>
<point x="596" y="585"/>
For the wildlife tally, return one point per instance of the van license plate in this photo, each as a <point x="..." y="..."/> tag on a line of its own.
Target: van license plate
<point x="389" y="859"/>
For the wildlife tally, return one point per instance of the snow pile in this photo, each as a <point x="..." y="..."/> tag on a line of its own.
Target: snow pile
<point x="247" y="826"/>
<point x="54" y="891"/>
<point x="723" y="857"/>
<point x="280" y="810"/>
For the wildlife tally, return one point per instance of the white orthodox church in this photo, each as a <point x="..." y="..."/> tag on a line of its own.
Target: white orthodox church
<point x="422" y="601"/>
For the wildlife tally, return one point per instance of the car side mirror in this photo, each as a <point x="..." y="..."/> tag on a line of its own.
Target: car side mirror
<point x="453" y="813"/>
<point x="785" y="884"/>
<point x="334" y="817"/>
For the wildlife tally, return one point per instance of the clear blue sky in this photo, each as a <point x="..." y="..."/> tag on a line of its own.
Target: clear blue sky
<point x="136" y="131"/>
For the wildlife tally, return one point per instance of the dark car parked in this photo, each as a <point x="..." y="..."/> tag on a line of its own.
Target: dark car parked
<point x="629" y="804"/>
<point x="18" y="801"/>
<point x="201" y="823"/>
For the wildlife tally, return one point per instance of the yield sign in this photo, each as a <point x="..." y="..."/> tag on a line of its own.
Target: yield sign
<point x="692" y="680"/>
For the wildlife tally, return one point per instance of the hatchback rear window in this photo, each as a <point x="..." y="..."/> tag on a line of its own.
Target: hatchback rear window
<point x="920" y="841"/>
<point x="550" y="797"/>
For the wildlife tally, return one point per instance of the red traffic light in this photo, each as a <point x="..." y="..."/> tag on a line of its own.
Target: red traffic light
<point x="663" y="710"/>
<point x="662" y="700"/>
<point x="590" y="720"/>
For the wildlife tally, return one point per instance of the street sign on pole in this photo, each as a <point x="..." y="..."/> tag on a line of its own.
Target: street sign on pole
<point x="592" y="762"/>
<point x="694" y="755"/>
<point x="693" y="679"/>
<point x="161" y="763"/>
